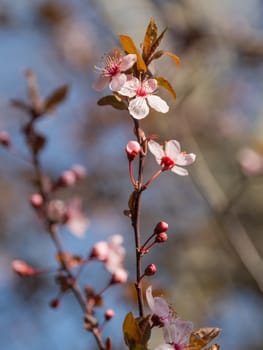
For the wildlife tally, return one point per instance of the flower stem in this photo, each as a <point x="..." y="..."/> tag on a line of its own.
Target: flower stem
<point x="136" y="222"/>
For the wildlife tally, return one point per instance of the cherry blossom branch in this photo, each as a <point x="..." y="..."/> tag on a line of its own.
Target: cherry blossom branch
<point x="136" y="219"/>
<point x="54" y="234"/>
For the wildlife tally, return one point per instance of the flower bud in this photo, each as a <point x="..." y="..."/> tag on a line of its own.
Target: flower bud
<point x="36" y="200"/>
<point x="5" y="139"/>
<point x="161" y="237"/>
<point x="109" y="314"/>
<point x="150" y="270"/>
<point x="162" y="226"/>
<point x="133" y="148"/>
<point x="67" y="178"/>
<point x="100" y="251"/>
<point x="79" y="171"/>
<point x="119" y="276"/>
<point x="22" y="268"/>
<point x="55" y="303"/>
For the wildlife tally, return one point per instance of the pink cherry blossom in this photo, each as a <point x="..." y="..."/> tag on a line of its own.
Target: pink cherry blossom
<point x="112" y="253"/>
<point x="77" y="221"/>
<point x="170" y="156"/>
<point x="112" y="72"/>
<point x="141" y="92"/>
<point x="251" y="162"/>
<point x="176" y="332"/>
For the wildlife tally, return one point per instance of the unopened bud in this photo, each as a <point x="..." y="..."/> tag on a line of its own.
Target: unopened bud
<point x="5" y="139"/>
<point x="79" y="171"/>
<point x="108" y="344"/>
<point x="55" y="303"/>
<point x="36" y="200"/>
<point x="68" y="178"/>
<point x="22" y="268"/>
<point x="150" y="270"/>
<point x="100" y="251"/>
<point x="133" y="148"/>
<point x="162" y="226"/>
<point x="161" y="237"/>
<point x="119" y="276"/>
<point x="109" y="314"/>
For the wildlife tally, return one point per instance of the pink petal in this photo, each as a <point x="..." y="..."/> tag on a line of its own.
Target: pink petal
<point x="157" y="305"/>
<point x="117" y="82"/>
<point x="100" y="83"/>
<point x="156" y="150"/>
<point x="158" y="104"/>
<point x="185" y="159"/>
<point x="180" y="331"/>
<point x="127" y="62"/>
<point x="150" y="85"/>
<point x="138" y="108"/>
<point x="179" y="171"/>
<point x="173" y="149"/>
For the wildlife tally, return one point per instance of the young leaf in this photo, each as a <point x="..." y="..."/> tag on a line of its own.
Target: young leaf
<point x="20" y="105"/>
<point x="129" y="47"/>
<point x="174" y="57"/>
<point x="213" y="347"/>
<point x="112" y="101"/>
<point x="157" y="42"/>
<point x="56" y="98"/>
<point x="165" y="84"/>
<point x="32" y="88"/>
<point x="149" y="38"/>
<point x="200" y="338"/>
<point x="131" y="331"/>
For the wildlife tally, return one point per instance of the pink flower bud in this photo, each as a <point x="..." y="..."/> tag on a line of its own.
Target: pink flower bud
<point x="133" y="148"/>
<point x="55" y="303"/>
<point x="162" y="226"/>
<point x="150" y="270"/>
<point x="79" y="171"/>
<point x="36" y="200"/>
<point x="251" y="162"/>
<point x="22" y="268"/>
<point x="119" y="276"/>
<point x="109" y="314"/>
<point x="100" y="251"/>
<point x="161" y="237"/>
<point x="68" y="178"/>
<point x="5" y="139"/>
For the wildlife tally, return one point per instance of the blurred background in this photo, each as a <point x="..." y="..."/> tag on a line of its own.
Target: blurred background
<point x="211" y="269"/>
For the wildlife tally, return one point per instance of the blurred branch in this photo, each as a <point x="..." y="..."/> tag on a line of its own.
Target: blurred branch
<point x="223" y="210"/>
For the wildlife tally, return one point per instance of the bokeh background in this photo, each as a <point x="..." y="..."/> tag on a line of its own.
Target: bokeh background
<point x="211" y="269"/>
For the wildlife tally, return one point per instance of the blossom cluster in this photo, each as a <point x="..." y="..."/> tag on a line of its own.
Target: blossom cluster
<point x="140" y="92"/>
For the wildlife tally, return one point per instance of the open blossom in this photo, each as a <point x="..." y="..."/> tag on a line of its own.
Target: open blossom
<point x="176" y="332"/>
<point x="170" y="156"/>
<point x="142" y="91"/>
<point x="112" y="72"/>
<point x="112" y="253"/>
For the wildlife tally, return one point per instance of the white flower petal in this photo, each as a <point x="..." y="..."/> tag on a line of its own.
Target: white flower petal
<point x="156" y="150"/>
<point x="138" y="108"/>
<point x="127" y="62"/>
<point x="158" y="103"/>
<point x="100" y="83"/>
<point x="117" y="82"/>
<point x="179" y="171"/>
<point x="130" y="87"/>
<point x="180" y="331"/>
<point x="158" y="305"/>
<point x="185" y="159"/>
<point x="173" y="149"/>
<point x="164" y="347"/>
<point x="150" y="85"/>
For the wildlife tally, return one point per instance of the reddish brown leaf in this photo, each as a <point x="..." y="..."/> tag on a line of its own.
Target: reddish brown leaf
<point x="129" y="47"/>
<point x="165" y="84"/>
<point x="57" y="96"/>
<point x="149" y="38"/>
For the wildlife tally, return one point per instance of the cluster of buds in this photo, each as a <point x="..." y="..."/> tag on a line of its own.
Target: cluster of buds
<point x="70" y="177"/>
<point x="111" y="254"/>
